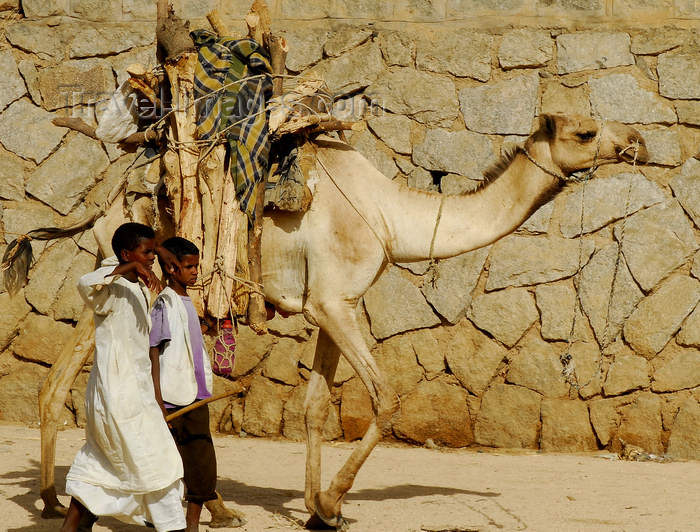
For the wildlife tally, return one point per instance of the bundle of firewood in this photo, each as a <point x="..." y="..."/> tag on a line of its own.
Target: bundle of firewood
<point x="201" y="193"/>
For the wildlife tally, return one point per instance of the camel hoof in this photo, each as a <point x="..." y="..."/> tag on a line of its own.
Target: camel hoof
<point x="230" y="522"/>
<point x="336" y="521"/>
<point x="223" y="517"/>
<point x="317" y="523"/>
<point x="55" y="511"/>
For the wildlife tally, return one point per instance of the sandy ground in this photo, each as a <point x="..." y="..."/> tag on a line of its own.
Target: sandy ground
<point x="402" y="489"/>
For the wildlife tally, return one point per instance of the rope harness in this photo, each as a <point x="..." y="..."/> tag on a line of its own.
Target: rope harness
<point x="432" y="268"/>
<point x="569" y="367"/>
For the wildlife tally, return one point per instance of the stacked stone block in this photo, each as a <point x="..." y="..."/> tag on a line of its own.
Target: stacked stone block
<point x="472" y="344"/>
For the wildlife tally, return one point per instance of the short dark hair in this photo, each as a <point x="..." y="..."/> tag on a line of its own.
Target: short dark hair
<point x="129" y="235"/>
<point x="180" y="247"/>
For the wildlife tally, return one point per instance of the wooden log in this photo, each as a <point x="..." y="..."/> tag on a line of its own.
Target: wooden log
<point x="218" y="25"/>
<point x="257" y="314"/>
<point x="172" y="34"/>
<point x="141" y="137"/>
<point x="337" y="125"/>
<point x="258" y="21"/>
<point x="145" y="89"/>
<point x="52" y="398"/>
<point x="224" y="264"/>
<point x="252" y="20"/>
<point x="278" y="47"/>
<point x="284" y="105"/>
<point x="78" y="124"/>
<point x="323" y="122"/>
<point x="260" y="8"/>
<point x="173" y="183"/>
<point x="183" y="131"/>
<point x="241" y="292"/>
<point x="139" y="72"/>
<point x="212" y="174"/>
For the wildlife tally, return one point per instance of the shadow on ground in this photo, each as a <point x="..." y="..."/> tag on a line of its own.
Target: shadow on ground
<point x="272" y="500"/>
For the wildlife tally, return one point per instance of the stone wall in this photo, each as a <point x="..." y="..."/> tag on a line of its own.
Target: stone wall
<point x="472" y="346"/>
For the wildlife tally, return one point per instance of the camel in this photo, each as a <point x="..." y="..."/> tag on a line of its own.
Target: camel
<point x="321" y="262"/>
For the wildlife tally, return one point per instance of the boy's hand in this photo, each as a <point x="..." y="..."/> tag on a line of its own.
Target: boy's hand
<point x="148" y="277"/>
<point x="206" y="324"/>
<point x="170" y="262"/>
<point x="142" y="272"/>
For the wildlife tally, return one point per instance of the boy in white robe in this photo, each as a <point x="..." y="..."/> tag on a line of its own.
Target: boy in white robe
<point x="129" y="467"/>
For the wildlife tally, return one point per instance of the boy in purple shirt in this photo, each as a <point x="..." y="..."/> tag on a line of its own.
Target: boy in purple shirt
<point x="182" y="374"/>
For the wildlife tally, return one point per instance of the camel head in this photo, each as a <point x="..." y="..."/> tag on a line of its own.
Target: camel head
<point x="577" y="142"/>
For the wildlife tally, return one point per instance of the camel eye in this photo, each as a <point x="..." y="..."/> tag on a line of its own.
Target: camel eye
<point x="586" y="136"/>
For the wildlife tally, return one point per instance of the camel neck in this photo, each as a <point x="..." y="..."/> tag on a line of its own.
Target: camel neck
<point x="473" y="220"/>
<point x="404" y="219"/>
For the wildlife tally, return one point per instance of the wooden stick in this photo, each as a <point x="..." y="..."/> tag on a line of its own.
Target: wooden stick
<point x="337" y="125"/>
<point x="217" y="24"/>
<point x="278" y="47"/>
<point x="284" y="105"/>
<point x="322" y="122"/>
<point x="252" y="20"/>
<point x="183" y="130"/>
<point x="258" y="21"/>
<point x="77" y="124"/>
<point x="203" y="402"/>
<point x="257" y="314"/>
<point x="260" y="7"/>
<point x="226" y="250"/>
<point x="141" y="137"/>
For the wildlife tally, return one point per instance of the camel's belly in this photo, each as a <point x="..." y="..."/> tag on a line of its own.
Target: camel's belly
<point x="284" y="262"/>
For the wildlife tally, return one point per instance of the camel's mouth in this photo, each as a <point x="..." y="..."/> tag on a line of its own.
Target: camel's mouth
<point x="633" y="153"/>
<point x="580" y="175"/>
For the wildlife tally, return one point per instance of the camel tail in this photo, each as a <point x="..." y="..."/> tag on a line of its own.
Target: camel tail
<point x="18" y="257"/>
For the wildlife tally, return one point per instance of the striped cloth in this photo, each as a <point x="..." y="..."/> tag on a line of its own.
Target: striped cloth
<point x="235" y="107"/>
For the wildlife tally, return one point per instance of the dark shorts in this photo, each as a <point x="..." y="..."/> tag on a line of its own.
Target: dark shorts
<point x="193" y="439"/>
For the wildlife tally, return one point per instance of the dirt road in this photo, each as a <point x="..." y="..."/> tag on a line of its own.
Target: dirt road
<point x="402" y="489"/>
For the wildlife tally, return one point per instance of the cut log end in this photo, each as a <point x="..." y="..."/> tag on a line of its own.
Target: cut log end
<point x="172" y="34"/>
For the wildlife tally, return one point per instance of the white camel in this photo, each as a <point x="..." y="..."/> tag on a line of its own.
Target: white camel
<point x="321" y="262"/>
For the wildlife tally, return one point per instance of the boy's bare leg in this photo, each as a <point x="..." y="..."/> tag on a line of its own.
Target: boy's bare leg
<point x="194" y="511"/>
<point x="75" y="513"/>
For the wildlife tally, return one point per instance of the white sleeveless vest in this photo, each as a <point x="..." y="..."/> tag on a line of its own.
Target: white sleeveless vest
<point x="177" y="379"/>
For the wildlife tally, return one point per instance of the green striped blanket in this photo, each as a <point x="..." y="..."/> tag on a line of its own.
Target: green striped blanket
<point x="233" y="80"/>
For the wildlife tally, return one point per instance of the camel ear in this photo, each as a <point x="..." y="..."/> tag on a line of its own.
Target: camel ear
<point x="548" y="125"/>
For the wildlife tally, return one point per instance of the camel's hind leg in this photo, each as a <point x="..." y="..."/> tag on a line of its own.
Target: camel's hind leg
<point x="51" y="399"/>
<point x="316" y="408"/>
<point x="338" y="323"/>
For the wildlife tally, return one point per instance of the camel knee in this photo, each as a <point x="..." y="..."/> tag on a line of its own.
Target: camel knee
<point x="388" y="406"/>
<point x="315" y="415"/>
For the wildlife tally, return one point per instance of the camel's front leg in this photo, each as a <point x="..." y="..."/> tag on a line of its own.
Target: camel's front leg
<point x="316" y="411"/>
<point x="339" y="323"/>
<point x="51" y="400"/>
